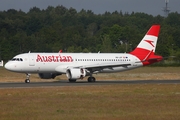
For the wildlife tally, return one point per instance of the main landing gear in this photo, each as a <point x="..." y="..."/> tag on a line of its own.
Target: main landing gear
<point x="91" y="79"/>
<point x="27" y="80"/>
<point x="72" y="80"/>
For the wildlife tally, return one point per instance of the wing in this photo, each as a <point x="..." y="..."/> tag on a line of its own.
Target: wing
<point x="93" y="68"/>
<point x="99" y="67"/>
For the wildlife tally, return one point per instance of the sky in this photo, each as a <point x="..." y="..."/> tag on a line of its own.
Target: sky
<point x="153" y="7"/>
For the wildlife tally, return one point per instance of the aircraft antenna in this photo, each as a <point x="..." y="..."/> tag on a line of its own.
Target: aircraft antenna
<point x="166" y="8"/>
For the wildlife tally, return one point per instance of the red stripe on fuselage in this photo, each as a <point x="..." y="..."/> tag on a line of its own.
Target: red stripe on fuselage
<point x="140" y="53"/>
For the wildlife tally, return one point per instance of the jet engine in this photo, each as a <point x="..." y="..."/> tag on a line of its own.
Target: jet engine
<point x="48" y="75"/>
<point x="76" y="73"/>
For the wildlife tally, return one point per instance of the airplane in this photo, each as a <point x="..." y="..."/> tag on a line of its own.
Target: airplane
<point x="76" y="66"/>
<point x="1" y="63"/>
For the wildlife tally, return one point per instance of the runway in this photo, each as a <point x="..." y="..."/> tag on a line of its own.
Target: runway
<point x="84" y="83"/>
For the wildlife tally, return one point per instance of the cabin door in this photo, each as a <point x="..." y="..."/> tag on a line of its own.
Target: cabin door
<point x="31" y="60"/>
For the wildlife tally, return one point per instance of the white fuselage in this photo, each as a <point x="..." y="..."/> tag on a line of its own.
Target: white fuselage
<point x="60" y="62"/>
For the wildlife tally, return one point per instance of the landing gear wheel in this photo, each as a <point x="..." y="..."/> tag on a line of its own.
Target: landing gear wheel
<point x="91" y="79"/>
<point x="27" y="78"/>
<point x="27" y="81"/>
<point x="72" y="80"/>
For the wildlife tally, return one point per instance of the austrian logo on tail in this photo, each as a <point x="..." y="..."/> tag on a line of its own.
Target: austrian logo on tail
<point x="150" y="42"/>
<point x="145" y="51"/>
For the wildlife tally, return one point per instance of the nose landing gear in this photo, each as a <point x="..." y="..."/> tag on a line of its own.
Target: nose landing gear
<point x="27" y="80"/>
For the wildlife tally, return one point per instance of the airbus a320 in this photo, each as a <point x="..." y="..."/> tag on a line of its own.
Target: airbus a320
<point x="77" y="66"/>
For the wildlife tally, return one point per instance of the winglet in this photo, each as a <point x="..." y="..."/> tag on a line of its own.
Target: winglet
<point x="60" y="51"/>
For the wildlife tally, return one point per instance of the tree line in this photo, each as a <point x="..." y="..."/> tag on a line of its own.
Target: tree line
<point x="59" y="28"/>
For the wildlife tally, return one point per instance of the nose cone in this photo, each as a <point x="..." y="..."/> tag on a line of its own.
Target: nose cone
<point x="9" y="66"/>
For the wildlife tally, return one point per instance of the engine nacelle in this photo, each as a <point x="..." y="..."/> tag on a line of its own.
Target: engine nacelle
<point x="47" y="75"/>
<point x="76" y="73"/>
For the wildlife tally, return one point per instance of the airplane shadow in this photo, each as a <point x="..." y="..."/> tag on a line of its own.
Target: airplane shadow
<point x="122" y="82"/>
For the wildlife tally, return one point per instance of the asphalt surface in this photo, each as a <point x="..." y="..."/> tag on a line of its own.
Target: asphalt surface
<point x="84" y="83"/>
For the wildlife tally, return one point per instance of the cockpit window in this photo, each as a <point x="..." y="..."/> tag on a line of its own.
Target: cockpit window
<point x="17" y="59"/>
